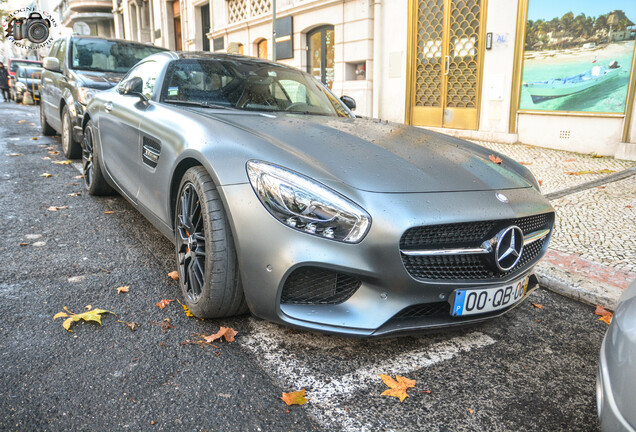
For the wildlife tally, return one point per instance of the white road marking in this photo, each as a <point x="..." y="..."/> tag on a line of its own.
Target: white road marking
<point x="270" y="343"/>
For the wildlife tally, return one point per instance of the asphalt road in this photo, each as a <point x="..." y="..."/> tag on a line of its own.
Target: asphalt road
<point x="533" y="369"/>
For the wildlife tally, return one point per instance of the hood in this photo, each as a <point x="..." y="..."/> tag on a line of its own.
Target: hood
<point x="98" y="80"/>
<point x="379" y="157"/>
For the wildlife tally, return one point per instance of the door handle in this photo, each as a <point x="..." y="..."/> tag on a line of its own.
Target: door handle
<point x="446" y="64"/>
<point x="108" y="106"/>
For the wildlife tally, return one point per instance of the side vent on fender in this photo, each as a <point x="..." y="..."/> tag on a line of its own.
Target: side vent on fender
<point x="150" y="151"/>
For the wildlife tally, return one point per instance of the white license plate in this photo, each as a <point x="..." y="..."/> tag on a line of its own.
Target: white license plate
<point x="477" y="301"/>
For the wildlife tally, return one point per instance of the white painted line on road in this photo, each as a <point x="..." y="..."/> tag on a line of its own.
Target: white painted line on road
<point x="275" y="347"/>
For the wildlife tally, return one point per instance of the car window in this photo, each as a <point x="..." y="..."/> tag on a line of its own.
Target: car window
<point x="148" y="72"/>
<point x="61" y="53"/>
<point x="108" y="56"/>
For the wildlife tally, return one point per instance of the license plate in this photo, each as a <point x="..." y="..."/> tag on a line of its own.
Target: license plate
<point x="477" y="301"/>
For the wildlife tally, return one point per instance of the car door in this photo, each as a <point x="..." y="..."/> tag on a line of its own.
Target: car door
<point x="48" y="82"/>
<point x="118" y="125"/>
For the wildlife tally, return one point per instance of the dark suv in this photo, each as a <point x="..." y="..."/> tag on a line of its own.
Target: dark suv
<point x="76" y="69"/>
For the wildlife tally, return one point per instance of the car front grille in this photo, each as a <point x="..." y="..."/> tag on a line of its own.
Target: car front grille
<point x="468" y="235"/>
<point x="312" y="285"/>
<point x="423" y="310"/>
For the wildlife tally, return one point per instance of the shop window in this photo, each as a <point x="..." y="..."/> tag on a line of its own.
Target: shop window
<point x="261" y="48"/>
<point x="320" y="54"/>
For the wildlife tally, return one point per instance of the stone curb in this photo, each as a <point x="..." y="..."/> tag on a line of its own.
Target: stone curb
<point x="577" y="286"/>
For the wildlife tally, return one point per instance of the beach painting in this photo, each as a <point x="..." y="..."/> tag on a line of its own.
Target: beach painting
<point x="578" y="55"/>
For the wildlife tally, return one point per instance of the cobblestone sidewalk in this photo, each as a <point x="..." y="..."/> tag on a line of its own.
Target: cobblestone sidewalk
<point x="592" y="256"/>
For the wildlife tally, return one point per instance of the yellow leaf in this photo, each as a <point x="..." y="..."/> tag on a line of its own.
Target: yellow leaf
<point x="34" y="138"/>
<point x="21" y="121"/>
<point x="14" y="154"/>
<point x="47" y="175"/>
<point x="122" y="289"/>
<point x="64" y="162"/>
<point x="93" y="315"/>
<point x="174" y="275"/>
<point x="186" y="309"/>
<point x="295" y="398"/>
<point x="397" y="388"/>
<point x="109" y="212"/>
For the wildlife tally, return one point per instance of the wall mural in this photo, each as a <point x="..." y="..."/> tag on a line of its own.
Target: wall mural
<point x="578" y="55"/>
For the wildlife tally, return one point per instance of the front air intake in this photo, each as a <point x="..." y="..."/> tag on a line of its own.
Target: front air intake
<point x="312" y="285"/>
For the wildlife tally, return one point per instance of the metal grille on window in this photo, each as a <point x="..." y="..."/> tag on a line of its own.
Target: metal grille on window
<point x="428" y="73"/>
<point x="464" y="41"/>
<point x="240" y="10"/>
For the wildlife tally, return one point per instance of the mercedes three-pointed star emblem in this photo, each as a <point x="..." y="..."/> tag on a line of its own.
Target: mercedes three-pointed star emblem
<point x="509" y="248"/>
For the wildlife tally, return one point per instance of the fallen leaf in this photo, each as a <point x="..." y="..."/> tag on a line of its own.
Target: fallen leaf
<point x="54" y="152"/>
<point x="525" y="163"/>
<point x="90" y="315"/>
<point x="397" y="388"/>
<point x="628" y="206"/>
<point x="79" y="177"/>
<point x="166" y="325"/>
<point x="577" y="173"/>
<point x="14" y="154"/>
<point x="470" y="410"/>
<point x="540" y="182"/>
<point x="47" y="175"/>
<point x="75" y="194"/>
<point x="294" y="398"/>
<point x="163" y="303"/>
<point x="537" y="305"/>
<point x="226" y="332"/>
<point x="24" y="244"/>
<point x="109" y="212"/>
<point x="606" y="171"/>
<point x="50" y="148"/>
<point x="21" y="121"/>
<point x="131" y="325"/>
<point x="64" y="162"/>
<point x="31" y="124"/>
<point x="174" y="275"/>
<point x="594" y="155"/>
<point x="570" y="160"/>
<point x="73" y="184"/>
<point x="122" y="289"/>
<point x="46" y="158"/>
<point x="605" y="315"/>
<point x="187" y="311"/>
<point x="56" y="208"/>
<point x="495" y="159"/>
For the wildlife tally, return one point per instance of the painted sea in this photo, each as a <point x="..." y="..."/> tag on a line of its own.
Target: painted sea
<point x="608" y="96"/>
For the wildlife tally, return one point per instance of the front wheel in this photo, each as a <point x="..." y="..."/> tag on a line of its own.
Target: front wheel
<point x="70" y="147"/>
<point x="93" y="177"/>
<point x="206" y="256"/>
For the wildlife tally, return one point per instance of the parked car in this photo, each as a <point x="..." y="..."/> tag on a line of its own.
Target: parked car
<point x="616" y="379"/>
<point x="26" y="80"/>
<point x="280" y="200"/>
<point x="14" y="63"/>
<point x="78" y="67"/>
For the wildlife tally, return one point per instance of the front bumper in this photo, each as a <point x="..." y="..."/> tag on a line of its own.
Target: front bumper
<point x="268" y="252"/>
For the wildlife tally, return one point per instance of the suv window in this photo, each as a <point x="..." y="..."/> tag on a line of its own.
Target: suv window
<point x="61" y="53"/>
<point x="107" y="55"/>
<point x="148" y="72"/>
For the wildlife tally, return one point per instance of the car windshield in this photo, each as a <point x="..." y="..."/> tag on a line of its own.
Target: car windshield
<point x="29" y="72"/>
<point x="248" y="85"/>
<point x="108" y="56"/>
<point x="15" y="64"/>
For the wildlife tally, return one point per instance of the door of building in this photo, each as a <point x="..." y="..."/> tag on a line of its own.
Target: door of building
<point x="320" y="54"/>
<point x="176" y="14"/>
<point x="446" y="62"/>
<point x="205" y="26"/>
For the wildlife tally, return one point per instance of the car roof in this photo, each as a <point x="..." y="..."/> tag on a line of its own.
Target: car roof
<point x="76" y="36"/>
<point x="206" y="55"/>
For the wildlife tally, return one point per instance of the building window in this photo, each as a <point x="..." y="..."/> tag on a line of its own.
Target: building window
<point x="262" y="49"/>
<point x="320" y="54"/>
<point x="241" y="50"/>
<point x="176" y="14"/>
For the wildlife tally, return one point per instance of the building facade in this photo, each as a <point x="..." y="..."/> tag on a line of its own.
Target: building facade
<point x="529" y="71"/>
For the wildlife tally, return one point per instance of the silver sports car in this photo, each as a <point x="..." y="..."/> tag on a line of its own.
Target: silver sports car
<point x="281" y="201"/>
<point x="616" y="379"/>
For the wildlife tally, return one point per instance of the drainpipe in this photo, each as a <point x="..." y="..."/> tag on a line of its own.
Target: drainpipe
<point x="377" y="56"/>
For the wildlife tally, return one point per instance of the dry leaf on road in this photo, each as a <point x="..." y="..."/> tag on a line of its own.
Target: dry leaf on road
<point x="605" y="315"/>
<point x="397" y="388"/>
<point x="163" y="303"/>
<point x="537" y="305"/>
<point x="14" y="154"/>
<point x="131" y="325"/>
<point x="226" y="332"/>
<point x="122" y="289"/>
<point x="47" y="175"/>
<point x="90" y="315"/>
<point x="56" y="208"/>
<point x="495" y="159"/>
<point x="75" y="194"/>
<point x="64" y="162"/>
<point x="109" y="212"/>
<point x="187" y="311"/>
<point x="294" y="398"/>
<point x="78" y="177"/>
<point x="174" y="275"/>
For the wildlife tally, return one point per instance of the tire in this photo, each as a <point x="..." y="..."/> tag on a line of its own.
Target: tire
<point x="206" y="257"/>
<point x="46" y="128"/>
<point x="94" y="179"/>
<point x="70" y="148"/>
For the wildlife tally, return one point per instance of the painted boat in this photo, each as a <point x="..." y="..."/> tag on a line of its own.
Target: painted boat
<point x="560" y="87"/>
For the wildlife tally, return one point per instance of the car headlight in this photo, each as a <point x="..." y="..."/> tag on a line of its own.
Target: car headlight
<point x="84" y="94"/>
<point x="306" y="205"/>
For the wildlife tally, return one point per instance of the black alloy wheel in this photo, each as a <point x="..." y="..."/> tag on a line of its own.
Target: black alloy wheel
<point x="191" y="247"/>
<point x="93" y="177"/>
<point x="206" y="257"/>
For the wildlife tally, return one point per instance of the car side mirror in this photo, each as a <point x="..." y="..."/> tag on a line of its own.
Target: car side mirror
<point x="52" y="64"/>
<point x="349" y="102"/>
<point x="133" y="87"/>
